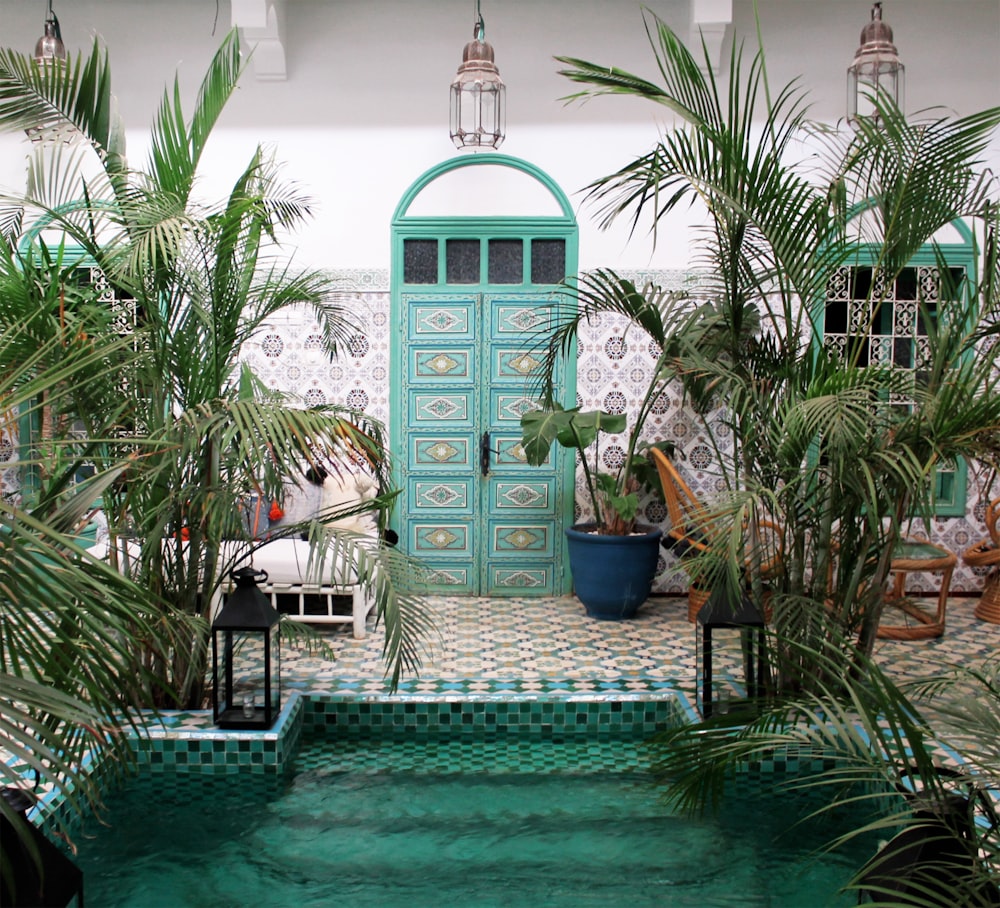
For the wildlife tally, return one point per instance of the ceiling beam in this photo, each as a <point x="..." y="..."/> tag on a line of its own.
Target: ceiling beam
<point x="263" y="23"/>
<point x="709" y="21"/>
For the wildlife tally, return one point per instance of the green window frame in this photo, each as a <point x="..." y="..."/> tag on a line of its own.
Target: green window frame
<point x="490" y="258"/>
<point x="896" y="314"/>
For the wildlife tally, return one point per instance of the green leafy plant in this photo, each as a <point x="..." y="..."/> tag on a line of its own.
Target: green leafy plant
<point x="194" y="428"/>
<point x="70" y="676"/>
<point x="872" y="749"/>
<point x="614" y="492"/>
<point x="615" y="502"/>
<point x="836" y="448"/>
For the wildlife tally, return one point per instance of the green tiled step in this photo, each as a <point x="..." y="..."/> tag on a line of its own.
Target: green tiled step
<point x="526" y="717"/>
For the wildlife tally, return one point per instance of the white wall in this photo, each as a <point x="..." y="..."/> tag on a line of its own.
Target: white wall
<point x="364" y="109"/>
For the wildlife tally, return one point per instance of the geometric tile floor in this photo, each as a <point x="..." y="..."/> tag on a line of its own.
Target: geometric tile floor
<point x="521" y="645"/>
<point x="549" y="646"/>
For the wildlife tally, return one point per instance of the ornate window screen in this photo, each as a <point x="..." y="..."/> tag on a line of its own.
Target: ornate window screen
<point x="125" y="313"/>
<point x="884" y="324"/>
<point x="870" y="319"/>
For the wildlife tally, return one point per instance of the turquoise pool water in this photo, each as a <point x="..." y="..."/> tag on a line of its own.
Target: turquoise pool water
<point x="461" y="824"/>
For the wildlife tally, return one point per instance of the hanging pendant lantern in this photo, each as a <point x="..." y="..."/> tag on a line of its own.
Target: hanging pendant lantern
<point x="50" y="47"/>
<point x="478" y="95"/>
<point x="876" y="72"/>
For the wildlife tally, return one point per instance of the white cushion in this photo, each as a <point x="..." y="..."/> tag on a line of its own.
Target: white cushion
<point x="287" y="561"/>
<point x="341" y="492"/>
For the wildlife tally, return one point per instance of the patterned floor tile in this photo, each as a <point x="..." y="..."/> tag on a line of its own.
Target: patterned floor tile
<point x="550" y="646"/>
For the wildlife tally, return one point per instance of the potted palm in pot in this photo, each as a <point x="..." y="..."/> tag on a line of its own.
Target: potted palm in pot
<point x="613" y="557"/>
<point x="814" y="434"/>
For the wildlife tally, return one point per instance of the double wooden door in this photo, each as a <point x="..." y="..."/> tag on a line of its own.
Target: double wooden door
<point x="472" y="510"/>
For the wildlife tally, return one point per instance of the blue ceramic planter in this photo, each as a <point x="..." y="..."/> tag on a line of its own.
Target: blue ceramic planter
<point x="612" y="575"/>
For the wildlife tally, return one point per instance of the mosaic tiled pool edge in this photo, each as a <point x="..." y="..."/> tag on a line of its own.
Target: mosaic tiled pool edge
<point x="560" y="654"/>
<point x="179" y="745"/>
<point x="189" y="742"/>
<point x="469" y="715"/>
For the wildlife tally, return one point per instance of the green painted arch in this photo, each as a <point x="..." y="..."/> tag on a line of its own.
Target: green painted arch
<point x="53" y="218"/>
<point x="959" y="225"/>
<point x="479" y="160"/>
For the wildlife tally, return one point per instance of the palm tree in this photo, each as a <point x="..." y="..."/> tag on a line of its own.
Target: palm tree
<point x="821" y="442"/>
<point x="199" y="431"/>
<point x="837" y="448"/>
<point x="873" y="751"/>
<point x="69" y="676"/>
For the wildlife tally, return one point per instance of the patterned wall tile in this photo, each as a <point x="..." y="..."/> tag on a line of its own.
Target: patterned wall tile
<point x="613" y="369"/>
<point x="10" y="475"/>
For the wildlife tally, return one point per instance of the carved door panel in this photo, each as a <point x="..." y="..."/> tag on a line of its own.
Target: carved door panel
<point x="481" y="519"/>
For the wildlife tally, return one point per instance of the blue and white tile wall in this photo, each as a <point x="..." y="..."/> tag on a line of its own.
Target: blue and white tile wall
<point x="613" y="369"/>
<point x="10" y="474"/>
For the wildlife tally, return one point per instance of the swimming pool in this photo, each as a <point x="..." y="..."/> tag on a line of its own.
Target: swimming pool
<point x="462" y="820"/>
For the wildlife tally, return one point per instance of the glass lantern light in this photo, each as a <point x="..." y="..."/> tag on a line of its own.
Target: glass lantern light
<point x="718" y="616"/>
<point x="246" y="656"/>
<point x="876" y="73"/>
<point x="50" y="46"/>
<point x="478" y="95"/>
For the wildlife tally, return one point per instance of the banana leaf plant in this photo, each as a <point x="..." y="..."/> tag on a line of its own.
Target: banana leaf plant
<point x="615" y="503"/>
<point x="614" y="493"/>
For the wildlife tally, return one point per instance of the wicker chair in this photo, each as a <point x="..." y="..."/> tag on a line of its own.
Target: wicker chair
<point x="918" y="556"/>
<point x="986" y="554"/>
<point x="692" y="529"/>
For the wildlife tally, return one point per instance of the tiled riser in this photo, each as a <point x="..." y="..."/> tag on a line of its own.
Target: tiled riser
<point x="217" y="752"/>
<point x="430" y="719"/>
<point x="531" y="719"/>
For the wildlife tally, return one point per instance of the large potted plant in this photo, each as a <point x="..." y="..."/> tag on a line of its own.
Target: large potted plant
<point x="812" y="434"/>
<point x="613" y="557"/>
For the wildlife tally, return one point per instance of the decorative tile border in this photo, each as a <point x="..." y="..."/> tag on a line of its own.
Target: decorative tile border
<point x="526" y="717"/>
<point x="190" y="743"/>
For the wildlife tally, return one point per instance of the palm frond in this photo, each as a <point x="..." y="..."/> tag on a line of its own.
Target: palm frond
<point x="176" y="145"/>
<point x="75" y="95"/>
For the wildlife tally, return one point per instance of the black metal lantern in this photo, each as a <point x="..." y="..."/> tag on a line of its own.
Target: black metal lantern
<point x="478" y="95"/>
<point x="246" y="656"/>
<point x="725" y="612"/>
<point x="876" y="72"/>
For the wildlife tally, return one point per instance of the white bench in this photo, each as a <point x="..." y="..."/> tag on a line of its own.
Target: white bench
<point x="313" y="578"/>
<point x="293" y="572"/>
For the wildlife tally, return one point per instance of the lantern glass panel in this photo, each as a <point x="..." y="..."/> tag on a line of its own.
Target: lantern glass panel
<point x="469" y="117"/>
<point x="729" y="657"/>
<point x="730" y="653"/>
<point x="871" y="79"/>
<point x="477" y="111"/>
<point x="247" y="678"/>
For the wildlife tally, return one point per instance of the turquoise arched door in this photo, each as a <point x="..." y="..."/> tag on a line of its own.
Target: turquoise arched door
<point x="470" y="292"/>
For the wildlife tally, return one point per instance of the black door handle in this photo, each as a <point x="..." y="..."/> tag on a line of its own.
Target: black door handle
<point x="484" y="454"/>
